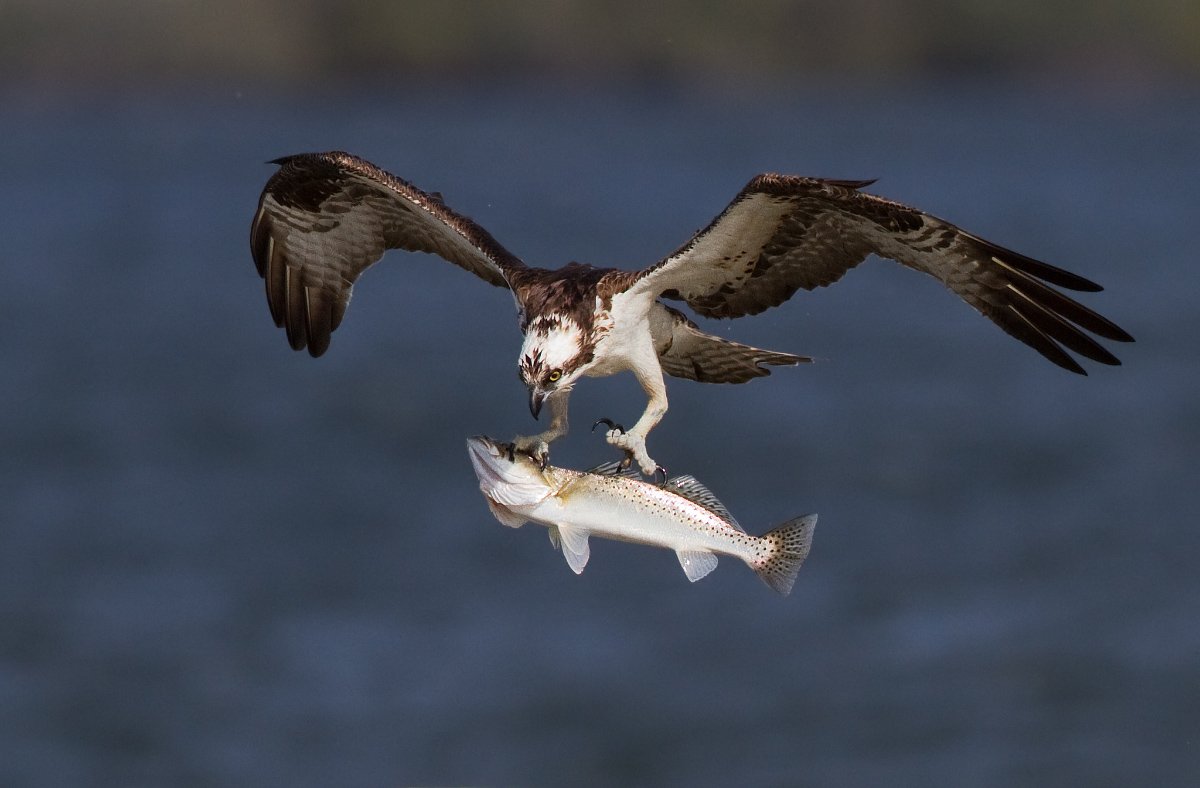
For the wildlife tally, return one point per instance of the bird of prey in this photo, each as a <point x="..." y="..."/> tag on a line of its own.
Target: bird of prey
<point x="324" y="218"/>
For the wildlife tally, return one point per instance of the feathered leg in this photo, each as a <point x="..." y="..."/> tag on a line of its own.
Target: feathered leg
<point x="538" y="446"/>
<point x="633" y="441"/>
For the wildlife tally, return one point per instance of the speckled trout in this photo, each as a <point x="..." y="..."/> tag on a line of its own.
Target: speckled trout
<point x="680" y="514"/>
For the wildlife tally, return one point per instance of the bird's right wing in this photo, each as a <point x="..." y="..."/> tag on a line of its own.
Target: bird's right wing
<point x="324" y="218"/>
<point x="783" y="233"/>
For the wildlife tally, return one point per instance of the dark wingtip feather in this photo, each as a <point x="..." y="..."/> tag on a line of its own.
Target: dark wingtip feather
<point x="1017" y="325"/>
<point x="1059" y="329"/>
<point x="1066" y="362"/>
<point x="1120" y="335"/>
<point x="1050" y="273"/>
<point x="283" y="160"/>
<point x="850" y="184"/>
<point x="276" y="284"/>
<point x="337" y="312"/>
<point x="260" y="241"/>
<point x="295" y="308"/>
<point x="295" y="336"/>
<point x="1044" y="271"/>
<point x="318" y="319"/>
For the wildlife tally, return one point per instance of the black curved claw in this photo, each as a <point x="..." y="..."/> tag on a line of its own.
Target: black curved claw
<point x="610" y="423"/>
<point x="511" y="452"/>
<point x="657" y="470"/>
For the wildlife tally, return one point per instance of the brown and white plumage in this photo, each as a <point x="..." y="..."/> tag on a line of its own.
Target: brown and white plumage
<point x="783" y="233"/>
<point x="325" y="218"/>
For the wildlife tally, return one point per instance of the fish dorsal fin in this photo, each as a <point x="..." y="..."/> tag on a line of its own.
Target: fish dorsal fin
<point x="615" y="468"/>
<point x="574" y="544"/>
<point x="689" y="487"/>
<point x="696" y="563"/>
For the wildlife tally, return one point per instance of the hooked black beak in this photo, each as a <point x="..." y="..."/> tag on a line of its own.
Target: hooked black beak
<point x="536" y="398"/>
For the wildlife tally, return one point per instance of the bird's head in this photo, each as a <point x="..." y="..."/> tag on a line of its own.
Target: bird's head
<point x="555" y="353"/>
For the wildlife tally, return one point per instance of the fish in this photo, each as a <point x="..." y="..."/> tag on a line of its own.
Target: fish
<point x="681" y="514"/>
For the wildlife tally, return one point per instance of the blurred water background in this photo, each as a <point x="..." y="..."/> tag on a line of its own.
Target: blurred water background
<point x="224" y="563"/>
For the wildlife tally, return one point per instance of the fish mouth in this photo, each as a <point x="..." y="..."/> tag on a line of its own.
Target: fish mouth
<point x="481" y="443"/>
<point x="488" y="460"/>
<point x="510" y="482"/>
<point x="493" y="461"/>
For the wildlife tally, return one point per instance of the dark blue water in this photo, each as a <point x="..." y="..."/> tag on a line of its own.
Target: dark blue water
<point x="222" y="562"/>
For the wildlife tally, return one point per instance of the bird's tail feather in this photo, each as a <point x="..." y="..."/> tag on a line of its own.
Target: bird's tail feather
<point x="690" y="353"/>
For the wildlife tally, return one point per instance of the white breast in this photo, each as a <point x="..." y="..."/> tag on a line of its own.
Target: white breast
<point x="623" y="336"/>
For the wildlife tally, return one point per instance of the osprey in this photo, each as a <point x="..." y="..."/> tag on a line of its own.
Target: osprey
<point x="324" y="218"/>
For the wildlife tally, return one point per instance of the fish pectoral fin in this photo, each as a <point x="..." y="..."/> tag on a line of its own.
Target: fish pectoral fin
<point x="555" y="541"/>
<point x="574" y="543"/>
<point x="696" y="563"/>
<point x="504" y="514"/>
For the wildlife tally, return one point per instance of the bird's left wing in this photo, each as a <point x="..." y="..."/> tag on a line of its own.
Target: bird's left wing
<point x="782" y="233"/>
<point x="324" y="218"/>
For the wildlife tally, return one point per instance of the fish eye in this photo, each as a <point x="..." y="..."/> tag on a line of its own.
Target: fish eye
<point x="554" y="375"/>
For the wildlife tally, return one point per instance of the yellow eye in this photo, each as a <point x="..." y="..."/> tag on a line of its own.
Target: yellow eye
<point x="555" y="375"/>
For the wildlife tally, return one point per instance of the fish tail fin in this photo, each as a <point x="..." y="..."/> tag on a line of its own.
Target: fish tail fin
<point x="789" y="546"/>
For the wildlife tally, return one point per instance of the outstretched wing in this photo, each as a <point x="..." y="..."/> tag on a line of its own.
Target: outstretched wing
<point x="324" y="218"/>
<point x="783" y="233"/>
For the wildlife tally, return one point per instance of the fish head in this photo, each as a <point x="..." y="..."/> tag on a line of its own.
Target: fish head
<point x="507" y="477"/>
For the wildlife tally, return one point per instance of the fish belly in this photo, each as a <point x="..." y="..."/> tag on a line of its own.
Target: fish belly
<point x="624" y="516"/>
